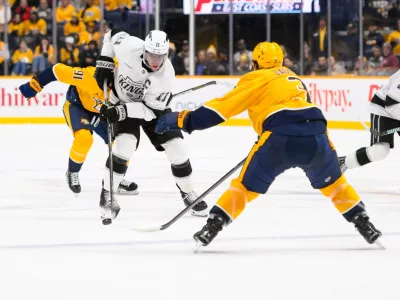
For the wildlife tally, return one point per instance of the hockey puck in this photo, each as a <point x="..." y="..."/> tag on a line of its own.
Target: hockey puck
<point x="107" y="221"/>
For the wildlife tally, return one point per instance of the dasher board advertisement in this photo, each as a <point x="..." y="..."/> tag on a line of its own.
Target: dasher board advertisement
<point x="251" y="6"/>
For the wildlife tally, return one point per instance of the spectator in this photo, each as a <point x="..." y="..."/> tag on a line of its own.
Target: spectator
<point x="89" y="55"/>
<point x="288" y="63"/>
<point x="64" y="12"/>
<point x="4" y="10"/>
<point x="69" y="54"/>
<point x="109" y="5"/>
<point x="376" y="59"/>
<point x="394" y="39"/>
<point x="4" y="56"/>
<point x="22" y="58"/>
<point x="212" y="66"/>
<point x="43" y="57"/>
<point x="34" y="28"/>
<point x="357" y="66"/>
<point x="320" y="41"/>
<point x="90" y="13"/>
<point x="177" y="61"/>
<point x="320" y="67"/>
<point x="44" y="12"/>
<point x="336" y="68"/>
<point x="90" y="34"/>
<point x="242" y="50"/>
<point x="184" y="54"/>
<point x="124" y="4"/>
<point x="244" y="65"/>
<point x="24" y="10"/>
<point x="74" y="25"/>
<point x="350" y="50"/>
<point x="16" y="27"/>
<point x="307" y="62"/>
<point x="201" y="63"/>
<point x="390" y="63"/>
<point x="374" y="38"/>
<point x="224" y="62"/>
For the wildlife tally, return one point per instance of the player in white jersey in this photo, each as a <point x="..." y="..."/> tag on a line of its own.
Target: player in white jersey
<point x="385" y="114"/>
<point x="141" y="93"/>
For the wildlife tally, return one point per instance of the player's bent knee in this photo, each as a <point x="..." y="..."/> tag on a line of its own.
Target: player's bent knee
<point x="176" y="151"/>
<point x="378" y="151"/>
<point x="342" y="194"/>
<point x="83" y="141"/>
<point x="119" y="165"/>
<point x="234" y="200"/>
<point x="124" y="146"/>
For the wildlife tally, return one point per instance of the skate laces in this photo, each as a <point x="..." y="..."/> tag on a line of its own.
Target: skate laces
<point x="125" y="183"/>
<point x="191" y="197"/>
<point x="74" y="178"/>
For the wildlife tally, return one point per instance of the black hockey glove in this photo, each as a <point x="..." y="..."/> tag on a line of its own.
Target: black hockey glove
<point x="113" y="113"/>
<point x="104" y="71"/>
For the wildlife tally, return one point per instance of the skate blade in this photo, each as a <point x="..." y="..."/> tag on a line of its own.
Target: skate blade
<point x="379" y="244"/>
<point x="198" y="246"/>
<point x="200" y="214"/>
<point x="76" y="195"/>
<point x="127" y="193"/>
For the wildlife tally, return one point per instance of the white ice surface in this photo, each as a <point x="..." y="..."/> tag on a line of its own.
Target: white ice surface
<point x="288" y="244"/>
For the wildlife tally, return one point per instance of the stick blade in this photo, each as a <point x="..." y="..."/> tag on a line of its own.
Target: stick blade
<point x="154" y="229"/>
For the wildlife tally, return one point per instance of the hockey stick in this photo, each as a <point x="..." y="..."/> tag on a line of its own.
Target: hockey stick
<point x="110" y="155"/>
<point x="201" y="86"/>
<point x="386" y="132"/>
<point x="201" y="197"/>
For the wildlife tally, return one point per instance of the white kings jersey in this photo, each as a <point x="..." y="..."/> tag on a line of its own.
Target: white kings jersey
<point x="386" y="101"/>
<point x="136" y="84"/>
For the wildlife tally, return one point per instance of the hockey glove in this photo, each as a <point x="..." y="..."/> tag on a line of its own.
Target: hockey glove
<point x="113" y="113"/>
<point x="31" y="88"/>
<point x="173" y="121"/>
<point x="104" y="71"/>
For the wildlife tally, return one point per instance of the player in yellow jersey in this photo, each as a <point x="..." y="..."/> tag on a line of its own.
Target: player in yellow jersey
<point x="292" y="133"/>
<point x="81" y="112"/>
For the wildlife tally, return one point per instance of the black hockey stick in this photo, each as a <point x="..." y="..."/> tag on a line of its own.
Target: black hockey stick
<point x="386" y="132"/>
<point x="110" y="155"/>
<point x="194" y="88"/>
<point x="178" y="216"/>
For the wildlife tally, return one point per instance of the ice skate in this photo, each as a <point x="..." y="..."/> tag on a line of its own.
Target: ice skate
<point x="366" y="228"/>
<point x="209" y="231"/>
<point x="342" y="163"/>
<point x="109" y="209"/>
<point x="127" y="188"/>
<point x="73" y="182"/>
<point x="200" y="209"/>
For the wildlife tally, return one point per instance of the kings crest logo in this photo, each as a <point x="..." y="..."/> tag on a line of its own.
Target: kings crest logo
<point x="132" y="89"/>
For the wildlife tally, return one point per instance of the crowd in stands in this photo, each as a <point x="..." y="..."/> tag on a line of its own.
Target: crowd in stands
<point x="29" y="24"/>
<point x="30" y="47"/>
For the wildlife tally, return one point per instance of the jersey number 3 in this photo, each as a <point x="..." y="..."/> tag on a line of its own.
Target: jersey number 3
<point x="301" y="87"/>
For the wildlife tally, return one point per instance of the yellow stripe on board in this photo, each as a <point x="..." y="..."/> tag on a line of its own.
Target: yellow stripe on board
<point x="230" y="122"/>
<point x="32" y="120"/>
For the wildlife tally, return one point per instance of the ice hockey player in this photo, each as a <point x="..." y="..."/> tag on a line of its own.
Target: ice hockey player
<point x="81" y="112"/>
<point x="141" y="92"/>
<point x="292" y="133"/>
<point x="385" y="114"/>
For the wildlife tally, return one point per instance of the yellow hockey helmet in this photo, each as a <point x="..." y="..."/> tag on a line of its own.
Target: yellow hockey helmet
<point x="267" y="55"/>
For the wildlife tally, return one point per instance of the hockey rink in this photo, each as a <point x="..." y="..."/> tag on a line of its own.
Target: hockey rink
<point x="288" y="244"/>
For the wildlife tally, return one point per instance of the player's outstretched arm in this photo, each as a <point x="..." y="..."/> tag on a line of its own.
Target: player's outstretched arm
<point x="212" y="112"/>
<point x="80" y="77"/>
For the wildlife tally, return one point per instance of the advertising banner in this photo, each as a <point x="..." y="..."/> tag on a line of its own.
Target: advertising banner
<point x="344" y="101"/>
<point x="251" y="6"/>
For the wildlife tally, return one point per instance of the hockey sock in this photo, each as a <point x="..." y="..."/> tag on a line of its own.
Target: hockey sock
<point x="80" y="148"/>
<point x="182" y="174"/>
<point x="344" y="197"/>
<point x="119" y="170"/>
<point x="365" y="155"/>
<point x="233" y="200"/>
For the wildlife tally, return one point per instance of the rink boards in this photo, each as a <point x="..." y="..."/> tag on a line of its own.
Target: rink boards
<point x="344" y="100"/>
